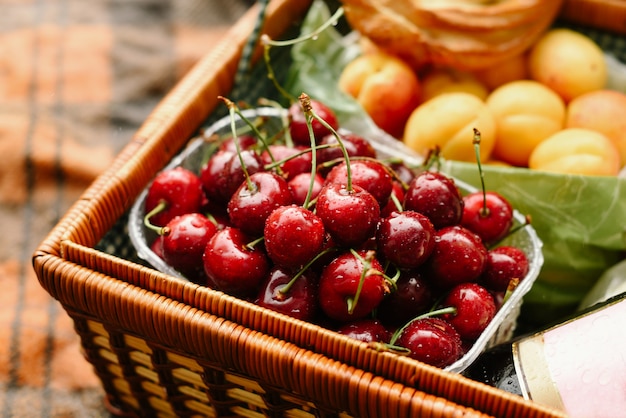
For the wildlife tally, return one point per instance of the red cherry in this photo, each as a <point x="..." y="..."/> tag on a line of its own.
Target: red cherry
<point x="245" y="142"/>
<point x="432" y="341"/>
<point x="184" y="240"/>
<point x="436" y="196"/>
<point x="391" y="206"/>
<point x="412" y="297"/>
<point x="402" y="171"/>
<point x="300" y="185"/>
<point x="498" y="297"/>
<point x="233" y="267"/>
<point x="355" y="145"/>
<point x="157" y="246"/>
<point x="233" y="173"/>
<point x="406" y="238"/>
<point x="299" y="301"/>
<point x="298" y="128"/>
<point x="327" y="254"/>
<point x="366" y="330"/>
<point x="350" y="216"/>
<point x="221" y="220"/>
<point x="340" y="282"/>
<point x="296" y="161"/>
<point x="179" y="189"/>
<point x="475" y="308"/>
<point x="488" y="215"/>
<point x="371" y="175"/>
<point x="213" y="177"/>
<point x="503" y="264"/>
<point x="459" y="256"/>
<point x="293" y="236"/>
<point x="253" y="202"/>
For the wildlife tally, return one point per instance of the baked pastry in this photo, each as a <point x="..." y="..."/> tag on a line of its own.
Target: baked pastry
<point x="464" y="34"/>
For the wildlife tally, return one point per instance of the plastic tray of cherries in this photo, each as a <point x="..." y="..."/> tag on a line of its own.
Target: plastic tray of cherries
<point x="378" y="246"/>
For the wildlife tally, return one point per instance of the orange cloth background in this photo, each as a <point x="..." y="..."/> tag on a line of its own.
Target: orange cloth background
<point x="77" y="78"/>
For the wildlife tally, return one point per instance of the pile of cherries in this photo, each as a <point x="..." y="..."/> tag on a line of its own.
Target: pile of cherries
<point x="310" y="223"/>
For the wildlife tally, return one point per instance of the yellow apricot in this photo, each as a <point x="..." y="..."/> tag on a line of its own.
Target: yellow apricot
<point x="568" y="62"/>
<point x="526" y="112"/>
<point x="447" y="121"/>
<point x="439" y="81"/>
<point x="576" y="151"/>
<point x="513" y="69"/>
<point x="603" y="111"/>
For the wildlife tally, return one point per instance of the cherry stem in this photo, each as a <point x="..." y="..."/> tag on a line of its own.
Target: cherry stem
<point x="266" y="40"/>
<point x="213" y="143"/>
<point x="310" y="204"/>
<point x="267" y="43"/>
<point x="379" y="346"/>
<point x="233" y="109"/>
<point x="253" y="127"/>
<point x="527" y="221"/>
<point x="305" y="100"/>
<point x="367" y="264"/>
<point x="429" y="314"/>
<point x="513" y="283"/>
<point x="211" y="218"/>
<point x="299" y="154"/>
<point x="253" y="243"/>
<point x="284" y="118"/>
<point x="431" y="158"/>
<point x="392" y="173"/>
<point x="309" y="192"/>
<point x="333" y="162"/>
<point x="285" y="289"/>
<point x="233" y="128"/>
<point x="476" y="142"/>
<point x="391" y="280"/>
<point x="157" y="209"/>
<point x="396" y="202"/>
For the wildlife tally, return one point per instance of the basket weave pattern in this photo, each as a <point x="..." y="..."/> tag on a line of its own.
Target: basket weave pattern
<point x="164" y="347"/>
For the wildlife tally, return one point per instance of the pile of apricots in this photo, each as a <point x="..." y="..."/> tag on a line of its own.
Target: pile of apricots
<point x="547" y="109"/>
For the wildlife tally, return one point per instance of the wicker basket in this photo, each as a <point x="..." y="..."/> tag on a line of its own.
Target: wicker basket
<point x="608" y="15"/>
<point x="165" y="347"/>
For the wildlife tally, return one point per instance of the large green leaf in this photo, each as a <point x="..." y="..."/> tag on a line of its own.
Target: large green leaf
<point x="580" y="219"/>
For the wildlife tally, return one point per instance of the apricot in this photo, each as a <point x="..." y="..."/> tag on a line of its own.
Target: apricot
<point x="449" y="80"/>
<point x="576" y="151"/>
<point x="386" y="87"/>
<point x="602" y="111"/>
<point x="447" y="121"/>
<point x="526" y="112"/>
<point x="513" y="69"/>
<point x="568" y="62"/>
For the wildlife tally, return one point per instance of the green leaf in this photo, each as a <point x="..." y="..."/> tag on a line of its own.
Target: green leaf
<point x="580" y="219"/>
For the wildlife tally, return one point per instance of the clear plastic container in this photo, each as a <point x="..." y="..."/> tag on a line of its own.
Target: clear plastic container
<point x="503" y="324"/>
<point x="610" y="284"/>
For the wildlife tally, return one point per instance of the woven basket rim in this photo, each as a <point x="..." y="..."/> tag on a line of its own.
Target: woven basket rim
<point x="67" y="256"/>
